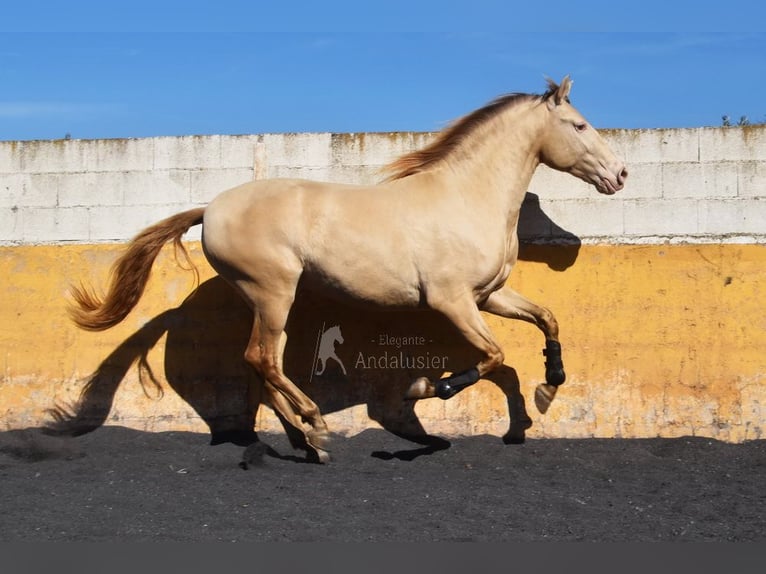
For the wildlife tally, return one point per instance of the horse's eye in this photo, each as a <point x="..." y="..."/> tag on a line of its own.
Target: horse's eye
<point x="581" y="127"/>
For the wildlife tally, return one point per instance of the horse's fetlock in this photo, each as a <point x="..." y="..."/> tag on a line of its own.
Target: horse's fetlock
<point x="422" y="388"/>
<point x="496" y="358"/>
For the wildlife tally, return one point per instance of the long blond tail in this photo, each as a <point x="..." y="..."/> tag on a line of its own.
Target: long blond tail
<point x="130" y="274"/>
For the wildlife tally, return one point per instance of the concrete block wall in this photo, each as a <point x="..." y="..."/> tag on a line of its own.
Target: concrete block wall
<point x="685" y="185"/>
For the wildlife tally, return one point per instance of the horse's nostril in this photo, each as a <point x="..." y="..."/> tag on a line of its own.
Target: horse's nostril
<point x="623" y="175"/>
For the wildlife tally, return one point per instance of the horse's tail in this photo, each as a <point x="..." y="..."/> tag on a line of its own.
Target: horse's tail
<point x="130" y="273"/>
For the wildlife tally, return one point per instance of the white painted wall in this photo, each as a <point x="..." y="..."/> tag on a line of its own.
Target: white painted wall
<point x="685" y="185"/>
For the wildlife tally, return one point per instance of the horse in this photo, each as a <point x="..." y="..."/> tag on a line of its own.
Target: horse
<point x="440" y="231"/>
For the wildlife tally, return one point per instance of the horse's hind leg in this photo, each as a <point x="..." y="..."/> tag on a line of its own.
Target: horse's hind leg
<point x="290" y="420"/>
<point x="264" y="352"/>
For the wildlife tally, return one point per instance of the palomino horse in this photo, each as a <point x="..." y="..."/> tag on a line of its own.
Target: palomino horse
<point x="441" y="232"/>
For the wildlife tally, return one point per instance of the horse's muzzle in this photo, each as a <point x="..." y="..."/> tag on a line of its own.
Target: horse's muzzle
<point x="609" y="185"/>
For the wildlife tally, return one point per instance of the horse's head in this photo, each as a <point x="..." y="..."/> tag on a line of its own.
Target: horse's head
<point x="334" y="334"/>
<point x="571" y="144"/>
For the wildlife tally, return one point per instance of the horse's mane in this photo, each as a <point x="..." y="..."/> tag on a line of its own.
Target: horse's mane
<point x="457" y="132"/>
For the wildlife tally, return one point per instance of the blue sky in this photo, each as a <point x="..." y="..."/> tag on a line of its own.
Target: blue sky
<point x="136" y="69"/>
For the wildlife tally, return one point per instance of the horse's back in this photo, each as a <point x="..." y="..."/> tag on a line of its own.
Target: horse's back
<point x="279" y="212"/>
<point x="336" y="236"/>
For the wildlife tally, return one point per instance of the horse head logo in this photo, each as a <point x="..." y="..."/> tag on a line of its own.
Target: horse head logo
<point x="326" y="349"/>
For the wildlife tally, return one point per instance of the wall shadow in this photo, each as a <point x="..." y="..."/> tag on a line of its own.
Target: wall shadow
<point x="543" y="240"/>
<point x="381" y="354"/>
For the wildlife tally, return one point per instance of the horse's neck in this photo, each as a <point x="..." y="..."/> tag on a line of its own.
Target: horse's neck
<point x="498" y="165"/>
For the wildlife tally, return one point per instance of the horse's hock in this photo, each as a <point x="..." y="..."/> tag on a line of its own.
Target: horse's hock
<point x="657" y="290"/>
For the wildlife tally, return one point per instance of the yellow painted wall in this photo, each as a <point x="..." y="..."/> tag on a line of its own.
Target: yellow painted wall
<point x="659" y="340"/>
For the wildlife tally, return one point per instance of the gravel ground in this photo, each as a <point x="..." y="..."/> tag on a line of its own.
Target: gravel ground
<point x="117" y="484"/>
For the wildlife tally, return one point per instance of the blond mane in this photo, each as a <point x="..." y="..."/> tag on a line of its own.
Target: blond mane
<point x="449" y="139"/>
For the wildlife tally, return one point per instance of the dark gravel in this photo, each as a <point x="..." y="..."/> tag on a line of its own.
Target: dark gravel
<point x="120" y="484"/>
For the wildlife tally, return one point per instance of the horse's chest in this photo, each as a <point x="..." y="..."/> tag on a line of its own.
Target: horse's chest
<point x="497" y="272"/>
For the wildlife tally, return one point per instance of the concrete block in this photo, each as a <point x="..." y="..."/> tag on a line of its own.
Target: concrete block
<point x="92" y="188"/>
<point x="238" y="151"/>
<point x="29" y="190"/>
<point x="720" y="179"/>
<point x="10" y="156"/>
<point x="746" y="143"/>
<point x="207" y="184"/>
<point x="661" y="217"/>
<point x="751" y="179"/>
<point x="10" y="189"/>
<point x="77" y="156"/>
<point x="124" y="188"/>
<point x="699" y="180"/>
<point x="189" y="152"/>
<point x="597" y="217"/>
<point x="678" y="145"/>
<point x="732" y="217"/>
<point x="57" y="156"/>
<point x="298" y="150"/>
<point x="158" y="187"/>
<point x="644" y="181"/>
<point x="121" y="154"/>
<point x="654" y="146"/>
<point x="551" y="184"/>
<point x="121" y="223"/>
<point x="43" y="225"/>
<point x="358" y="149"/>
<point x="356" y="174"/>
<point x="10" y="225"/>
<point x="375" y="149"/>
<point x="683" y="180"/>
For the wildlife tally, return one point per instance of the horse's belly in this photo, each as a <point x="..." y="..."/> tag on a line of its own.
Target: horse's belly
<point x="359" y="284"/>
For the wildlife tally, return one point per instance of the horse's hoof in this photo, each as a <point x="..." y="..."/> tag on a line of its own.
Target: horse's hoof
<point x="514" y="438"/>
<point x="517" y="434"/>
<point x="318" y="442"/>
<point x="319" y="456"/>
<point x="317" y="451"/>
<point x="544" y="395"/>
<point x="422" y="388"/>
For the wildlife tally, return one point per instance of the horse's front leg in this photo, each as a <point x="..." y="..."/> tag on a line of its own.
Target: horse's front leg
<point x="508" y="303"/>
<point x="464" y="313"/>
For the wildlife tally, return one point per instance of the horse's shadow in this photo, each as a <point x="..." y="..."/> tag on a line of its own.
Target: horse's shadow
<point x="382" y="352"/>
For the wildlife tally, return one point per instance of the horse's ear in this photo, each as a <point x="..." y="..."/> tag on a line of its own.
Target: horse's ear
<point x="562" y="94"/>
